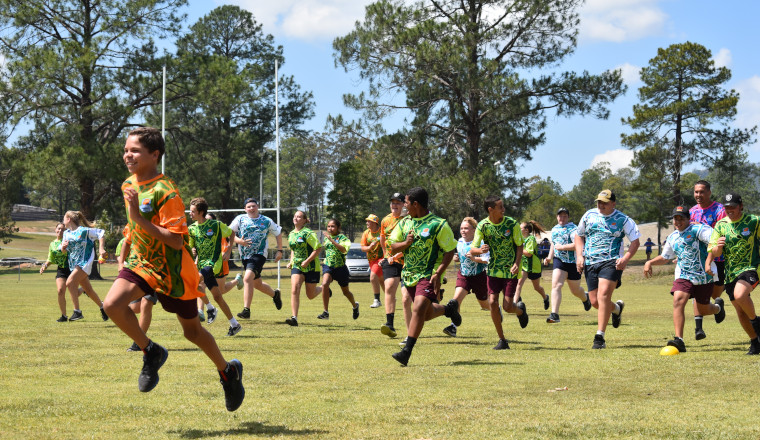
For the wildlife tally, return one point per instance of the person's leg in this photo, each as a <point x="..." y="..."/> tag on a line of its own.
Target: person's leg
<point x="263" y="287"/>
<point x="60" y="284"/>
<point x="312" y="290"/>
<point x="391" y="286"/>
<point x="493" y="304"/>
<point x="576" y="289"/>
<point x="249" y="279"/>
<point x="604" y="302"/>
<point x="537" y="287"/>
<point x="84" y="281"/>
<point x="296" y="281"/>
<point x="219" y="298"/>
<point x="520" y="284"/>
<point x="349" y="296"/>
<point x="377" y="284"/>
<point x="198" y="335"/>
<point x="116" y="304"/>
<point x="146" y="314"/>
<point x="679" y="303"/>
<point x="558" y="280"/>
<point x="326" y="280"/>
<point x="743" y="303"/>
<point x="407" y="302"/>
<point x="460" y="294"/>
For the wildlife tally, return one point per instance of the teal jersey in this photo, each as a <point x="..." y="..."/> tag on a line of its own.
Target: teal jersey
<point x="530" y="264"/>
<point x="57" y="256"/>
<point x="302" y="243"/>
<point x="604" y="235"/>
<point x="432" y="238"/>
<point x="740" y="250"/>
<point x="564" y="235"/>
<point x="690" y="248"/>
<point x="208" y="240"/>
<point x="333" y="256"/>
<point x="503" y="238"/>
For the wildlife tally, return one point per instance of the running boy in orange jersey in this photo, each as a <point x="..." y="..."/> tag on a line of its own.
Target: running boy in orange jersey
<point x="159" y="263"/>
<point x="392" y="265"/>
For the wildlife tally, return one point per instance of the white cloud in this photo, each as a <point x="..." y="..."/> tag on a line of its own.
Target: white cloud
<point x="722" y="58"/>
<point x="630" y="73"/>
<point x="617" y="159"/>
<point x="621" y="20"/>
<point x="748" y="109"/>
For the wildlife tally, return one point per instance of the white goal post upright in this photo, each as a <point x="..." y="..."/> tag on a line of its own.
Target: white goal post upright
<point x="277" y="150"/>
<point x="163" y="118"/>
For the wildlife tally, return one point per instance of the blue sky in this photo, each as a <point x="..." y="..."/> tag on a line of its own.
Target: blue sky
<point x="614" y="34"/>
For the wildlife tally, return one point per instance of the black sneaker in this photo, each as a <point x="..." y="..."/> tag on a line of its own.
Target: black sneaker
<point x="245" y="314"/>
<point x="152" y="361"/>
<point x="720" y="316"/>
<point x="103" y="314"/>
<point x="524" y="317"/>
<point x="356" y="311"/>
<point x="616" y="318"/>
<point x="324" y="315"/>
<point x="502" y="345"/>
<point x="598" y="342"/>
<point x="402" y="357"/>
<point x="452" y="311"/>
<point x="134" y="347"/>
<point x="63" y="318"/>
<point x="699" y="334"/>
<point x="234" y="330"/>
<point x="76" y="316"/>
<point x="388" y="330"/>
<point x="292" y="321"/>
<point x="587" y="303"/>
<point x="546" y="302"/>
<point x="277" y="299"/>
<point x="553" y="317"/>
<point x="754" y="347"/>
<point x="451" y="331"/>
<point x="211" y="315"/>
<point x="232" y="382"/>
<point x="678" y="343"/>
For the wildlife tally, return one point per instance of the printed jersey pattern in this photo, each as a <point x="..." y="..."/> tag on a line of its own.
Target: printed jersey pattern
<point x="740" y="249"/>
<point x="256" y="230"/>
<point x="564" y="235"/>
<point x="432" y="238"/>
<point x="302" y="243"/>
<point x="604" y="235"/>
<point x="387" y="225"/>
<point x="530" y="264"/>
<point x="503" y="240"/>
<point x="81" y="248"/>
<point x="333" y="256"/>
<point x="367" y="239"/>
<point x="208" y="240"/>
<point x="467" y="267"/>
<point x="708" y="216"/>
<point x="57" y="256"/>
<point x="690" y="247"/>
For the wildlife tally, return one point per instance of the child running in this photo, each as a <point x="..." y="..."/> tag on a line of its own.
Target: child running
<point x="61" y="259"/>
<point x="334" y="268"/>
<point x="688" y="243"/>
<point x="142" y="306"/>
<point x="159" y="263"/>
<point x="370" y="244"/>
<point x="392" y="265"/>
<point x="471" y="276"/>
<point x="422" y="236"/>
<point x="531" y="263"/>
<point x="79" y="242"/>
<point x="304" y="264"/>
<point x="501" y="236"/>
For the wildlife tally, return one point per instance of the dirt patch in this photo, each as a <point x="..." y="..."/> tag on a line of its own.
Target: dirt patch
<point x="46" y="227"/>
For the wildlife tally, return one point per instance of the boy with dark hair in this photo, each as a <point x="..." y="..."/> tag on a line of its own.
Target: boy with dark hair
<point x="160" y="263"/>
<point x="392" y="264"/>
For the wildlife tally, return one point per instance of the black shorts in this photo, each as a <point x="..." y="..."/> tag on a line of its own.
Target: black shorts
<point x="255" y="264"/>
<point x="570" y="268"/>
<point x="62" y="272"/>
<point x="184" y="308"/>
<point x="339" y="274"/>
<point x="208" y="277"/>
<point x="605" y="270"/>
<point x="721" y="266"/>
<point x="748" y="276"/>
<point x="533" y="275"/>
<point x="391" y="270"/>
<point x="311" y="277"/>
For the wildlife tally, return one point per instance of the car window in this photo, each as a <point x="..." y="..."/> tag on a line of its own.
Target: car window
<point x="355" y="254"/>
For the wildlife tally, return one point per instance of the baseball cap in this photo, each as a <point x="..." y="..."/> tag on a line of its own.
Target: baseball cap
<point x="250" y="200"/>
<point x="397" y="196"/>
<point x="680" y="210"/>
<point x="563" y="209"/>
<point x="605" y="196"/>
<point x="373" y="218"/>
<point x="732" y="199"/>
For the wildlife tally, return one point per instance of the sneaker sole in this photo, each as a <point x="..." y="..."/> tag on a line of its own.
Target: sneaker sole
<point x="242" y="395"/>
<point x="160" y="364"/>
<point x="235" y="331"/>
<point x="387" y="331"/>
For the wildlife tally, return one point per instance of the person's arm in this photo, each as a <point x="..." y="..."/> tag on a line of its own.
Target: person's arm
<point x="102" y="245"/>
<point x="399" y="243"/>
<point x="622" y="262"/>
<point x="171" y="239"/>
<point x="122" y="257"/>
<point x="579" y="242"/>
<point x="476" y="248"/>
<point x="518" y="259"/>
<point x="312" y="240"/>
<point x="656" y="261"/>
<point x="278" y="253"/>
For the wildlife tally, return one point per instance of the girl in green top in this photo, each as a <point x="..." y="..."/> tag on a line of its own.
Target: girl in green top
<point x="304" y="248"/>
<point x="60" y="258"/>
<point x="531" y="263"/>
<point x="334" y="268"/>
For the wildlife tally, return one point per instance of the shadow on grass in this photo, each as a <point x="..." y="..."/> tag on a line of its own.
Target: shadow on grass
<point x="540" y="348"/>
<point x="249" y="428"/>
<point x="476" y="362"/>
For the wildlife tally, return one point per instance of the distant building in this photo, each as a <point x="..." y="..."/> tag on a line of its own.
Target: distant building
<point x="28" y="212"/>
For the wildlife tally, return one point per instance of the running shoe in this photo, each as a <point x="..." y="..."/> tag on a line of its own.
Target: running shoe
<point x="721" y="315"/>
<point x="451" y="330"/>
<point x="616" y="317"/>
<point x="134" y="347"/>
<point x="76" y="316"/>
<point x="678" y="343"/>
<point x="754" y="347"/>
<point x="63" y="318"/>
<point x="375" y="304"/>
<point x="402" y="357"/>
<point x="587" y="303"/>
<point x="324" y="315"/>
<point x="524" y="317"/>
<point x="234" y="330"/>
<point x="239" y="281"/>
<point x="403" y="343"/>
<point x="502" y="345"/>
<point x="152" y="362"/>
<point x="232" y="382"/>
<point x="452" y="311"/>
<point x="277" y="299"/>
<point x="211" y="316"/>
<point x="599" y="342"/>
<point x="546" y="302"/>
<point x="356" y="311"/>
<point x="699" y="334"/>
<point x="245" y="314"/>
<point x="103" y="314"/>
<point x="553" y="317"/>
<point x="292" y="321"/>
<point x="388" y="330"/>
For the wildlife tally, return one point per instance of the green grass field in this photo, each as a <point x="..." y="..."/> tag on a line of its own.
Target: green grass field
<point x="337" y="380"/>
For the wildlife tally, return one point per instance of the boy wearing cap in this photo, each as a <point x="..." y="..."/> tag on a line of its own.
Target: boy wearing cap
<point x="370" y="244"/>
<point x="562" y="258"/>
<point x="599" y="253"/>
<point x="688" y="243"/>
<point x="708" y="212"/>
<point x="736" y="237"/>
<point x="392" y="264"/>
<point x="254" y="228"/>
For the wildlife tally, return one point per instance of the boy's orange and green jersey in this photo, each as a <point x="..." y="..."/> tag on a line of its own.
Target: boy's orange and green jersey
<point x="432" y="238"/>
<point x="368" y="237"/>
<point x="302" y="243"/>
<point x="503" y="238"/>
<point x="208" y="239"/>
<point x="333" y="256"/>
<point x="168" y="271"/>
<point x="530" y="264"/>
<point x="387" y="225"/>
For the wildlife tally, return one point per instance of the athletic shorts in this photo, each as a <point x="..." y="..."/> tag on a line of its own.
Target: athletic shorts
<point x="339" y="274"/>
<point x="721" y="266"/>
<point x="701" y="293"/>
<point x="423" y="288"/>
<point x="255" y="264"/>
<point x="570" y="268"/>
<point x="62" y="272"/>
<point x="374" y="267"/>
<point x="391" y="270"/>
<point x="498" y="285"/>
<point x="208" y="277"/>
<point x="311" y="277"/>
<point x="748" y="276"/>
<point x="477" y="284"/>
<point x="605" y="269"/>
<point x="185" y="309"/>
<point x="533" y="275"/>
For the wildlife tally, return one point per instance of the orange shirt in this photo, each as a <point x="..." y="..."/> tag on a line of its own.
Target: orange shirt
<point x="387" y="225"/>
<point x="367" y="239"/>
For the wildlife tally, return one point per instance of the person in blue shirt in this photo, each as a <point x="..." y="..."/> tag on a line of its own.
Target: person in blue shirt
<point x="648" y="248"/>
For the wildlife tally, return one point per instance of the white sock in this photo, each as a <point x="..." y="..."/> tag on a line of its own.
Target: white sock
<point x="209" y="306"/>
<point x="600" y="333"/>
<point x="453" y="325"/>
<point x="233" y="322"/>
<point x="77" y="310"/>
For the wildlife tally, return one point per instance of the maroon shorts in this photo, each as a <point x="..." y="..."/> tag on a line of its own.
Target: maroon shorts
<point x="423" y="288"/>
<point x="507" y="285"/>
<point x="700" y="292"/>
<point x="374" y="267"/>
<point x="183" y="308"/>
<point x="477" y="284"/>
